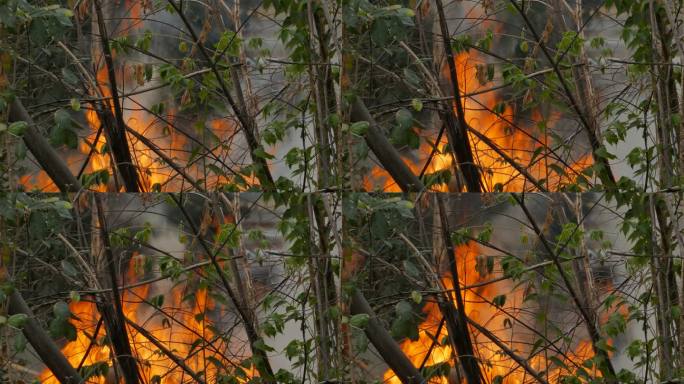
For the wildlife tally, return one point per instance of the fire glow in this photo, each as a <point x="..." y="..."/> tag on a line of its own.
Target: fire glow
<point x="192" y="145"/>
<point x="181" y="324"/>
<point x="429" y="350"/>
<point x="486" y="114"/>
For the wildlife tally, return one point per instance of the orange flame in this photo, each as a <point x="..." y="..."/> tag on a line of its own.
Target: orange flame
<point x="153" y="168"/>
<point x="480" y="309"/>
<point x="182" y="326"/>
<point x="486" y="113"/>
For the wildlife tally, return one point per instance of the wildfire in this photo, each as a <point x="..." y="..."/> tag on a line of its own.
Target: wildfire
<point x="181" y="324"/>
<point x="486" y="112"/>
<point x="429" y="350"/>
<point x="201" y="150"/>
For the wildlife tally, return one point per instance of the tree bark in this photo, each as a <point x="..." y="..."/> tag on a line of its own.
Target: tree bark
<point x="382" y="341"/>
<point x="384" y="151"/>
<point x="45" y="154"/>
<point x="46" y="349"/>
<point x="116" y="130"/>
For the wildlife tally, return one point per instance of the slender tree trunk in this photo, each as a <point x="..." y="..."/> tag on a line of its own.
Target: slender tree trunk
<point x="384" y="343"/>
<point x="45" y="348"/>
<point x="111" y="305"/>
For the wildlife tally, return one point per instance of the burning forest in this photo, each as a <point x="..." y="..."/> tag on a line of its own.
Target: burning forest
<point x="519" y="315"/>
<point x="358" y="191"/>
<point x="197" y="284"/>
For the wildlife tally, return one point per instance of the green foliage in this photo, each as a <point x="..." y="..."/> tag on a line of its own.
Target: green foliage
<point x="92" y="371"/>
<point x="63" y="132"/>
<point x="43" y="23"/>
<point x="406" y="320"/>
<point x="17" y="128"/>
<point x="60" y="325"/>
<point x="385" y="24"/>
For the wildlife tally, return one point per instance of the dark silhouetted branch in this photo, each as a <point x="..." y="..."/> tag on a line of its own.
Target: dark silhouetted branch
<point x="455" y="317"/>
<point x="384" y="150"/>
<point x="382" y="341"/>
<point x="45" y="154"/>
<point x="113" y="316"/>
<point x="458" y="135"/>
<point x="46" y="349"/>
<point x="116" y="131"/>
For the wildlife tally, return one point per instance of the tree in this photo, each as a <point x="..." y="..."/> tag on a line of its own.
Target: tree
<point x="311" y="105"/>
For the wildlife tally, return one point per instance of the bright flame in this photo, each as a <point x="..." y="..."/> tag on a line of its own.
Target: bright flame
<point x="182" y="326"/>
<point x="205" y="158"/>
<point x="480" y="309"/>
<point x="486" y="114"/>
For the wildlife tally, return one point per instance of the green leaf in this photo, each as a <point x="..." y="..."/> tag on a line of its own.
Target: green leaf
<point x="60" y="327"/>
<point x="461" y="43"/>
<point x="417" y="105"/>
<point x="157" y="301"/>
<point x="406" y="322"/>
<point x="61" y="310"/>
<point x="69" y="76"/>
<point x="74" y="297"/>
<point x="404" y="118"/>
<point x="20" y="342"/>
<point x="412" y="77"/>
<point x="292" y="349"/>
<point x="68" y="268"/>
<point x="18" y="128"/>
<point x="260" y="152"/>
<point x="260" y="345"/>
<point x="359" y="128"/>
<point x="359" y="321"/>
<point x="63" y="134"/>
<point x="411" y="269"/>
<point x="98" y="369"/>
<point x="558" y="362"/>
<point x="499" y="300"/>
<point x="17" y="320"/>
<point x="416" y="297"/>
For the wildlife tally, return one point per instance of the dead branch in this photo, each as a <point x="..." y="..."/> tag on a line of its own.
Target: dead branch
<point x="606" y="174"/>
<point x="606" y="365"/>
<point x="455" y="316"/>
<point x="263" y="365"/>
<point x="177" y="360"/>
<point x="508" y="351"/>
<point x="247" y="122"/>
<point x="458" y="135"/>
<point x="114" y="318"/>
